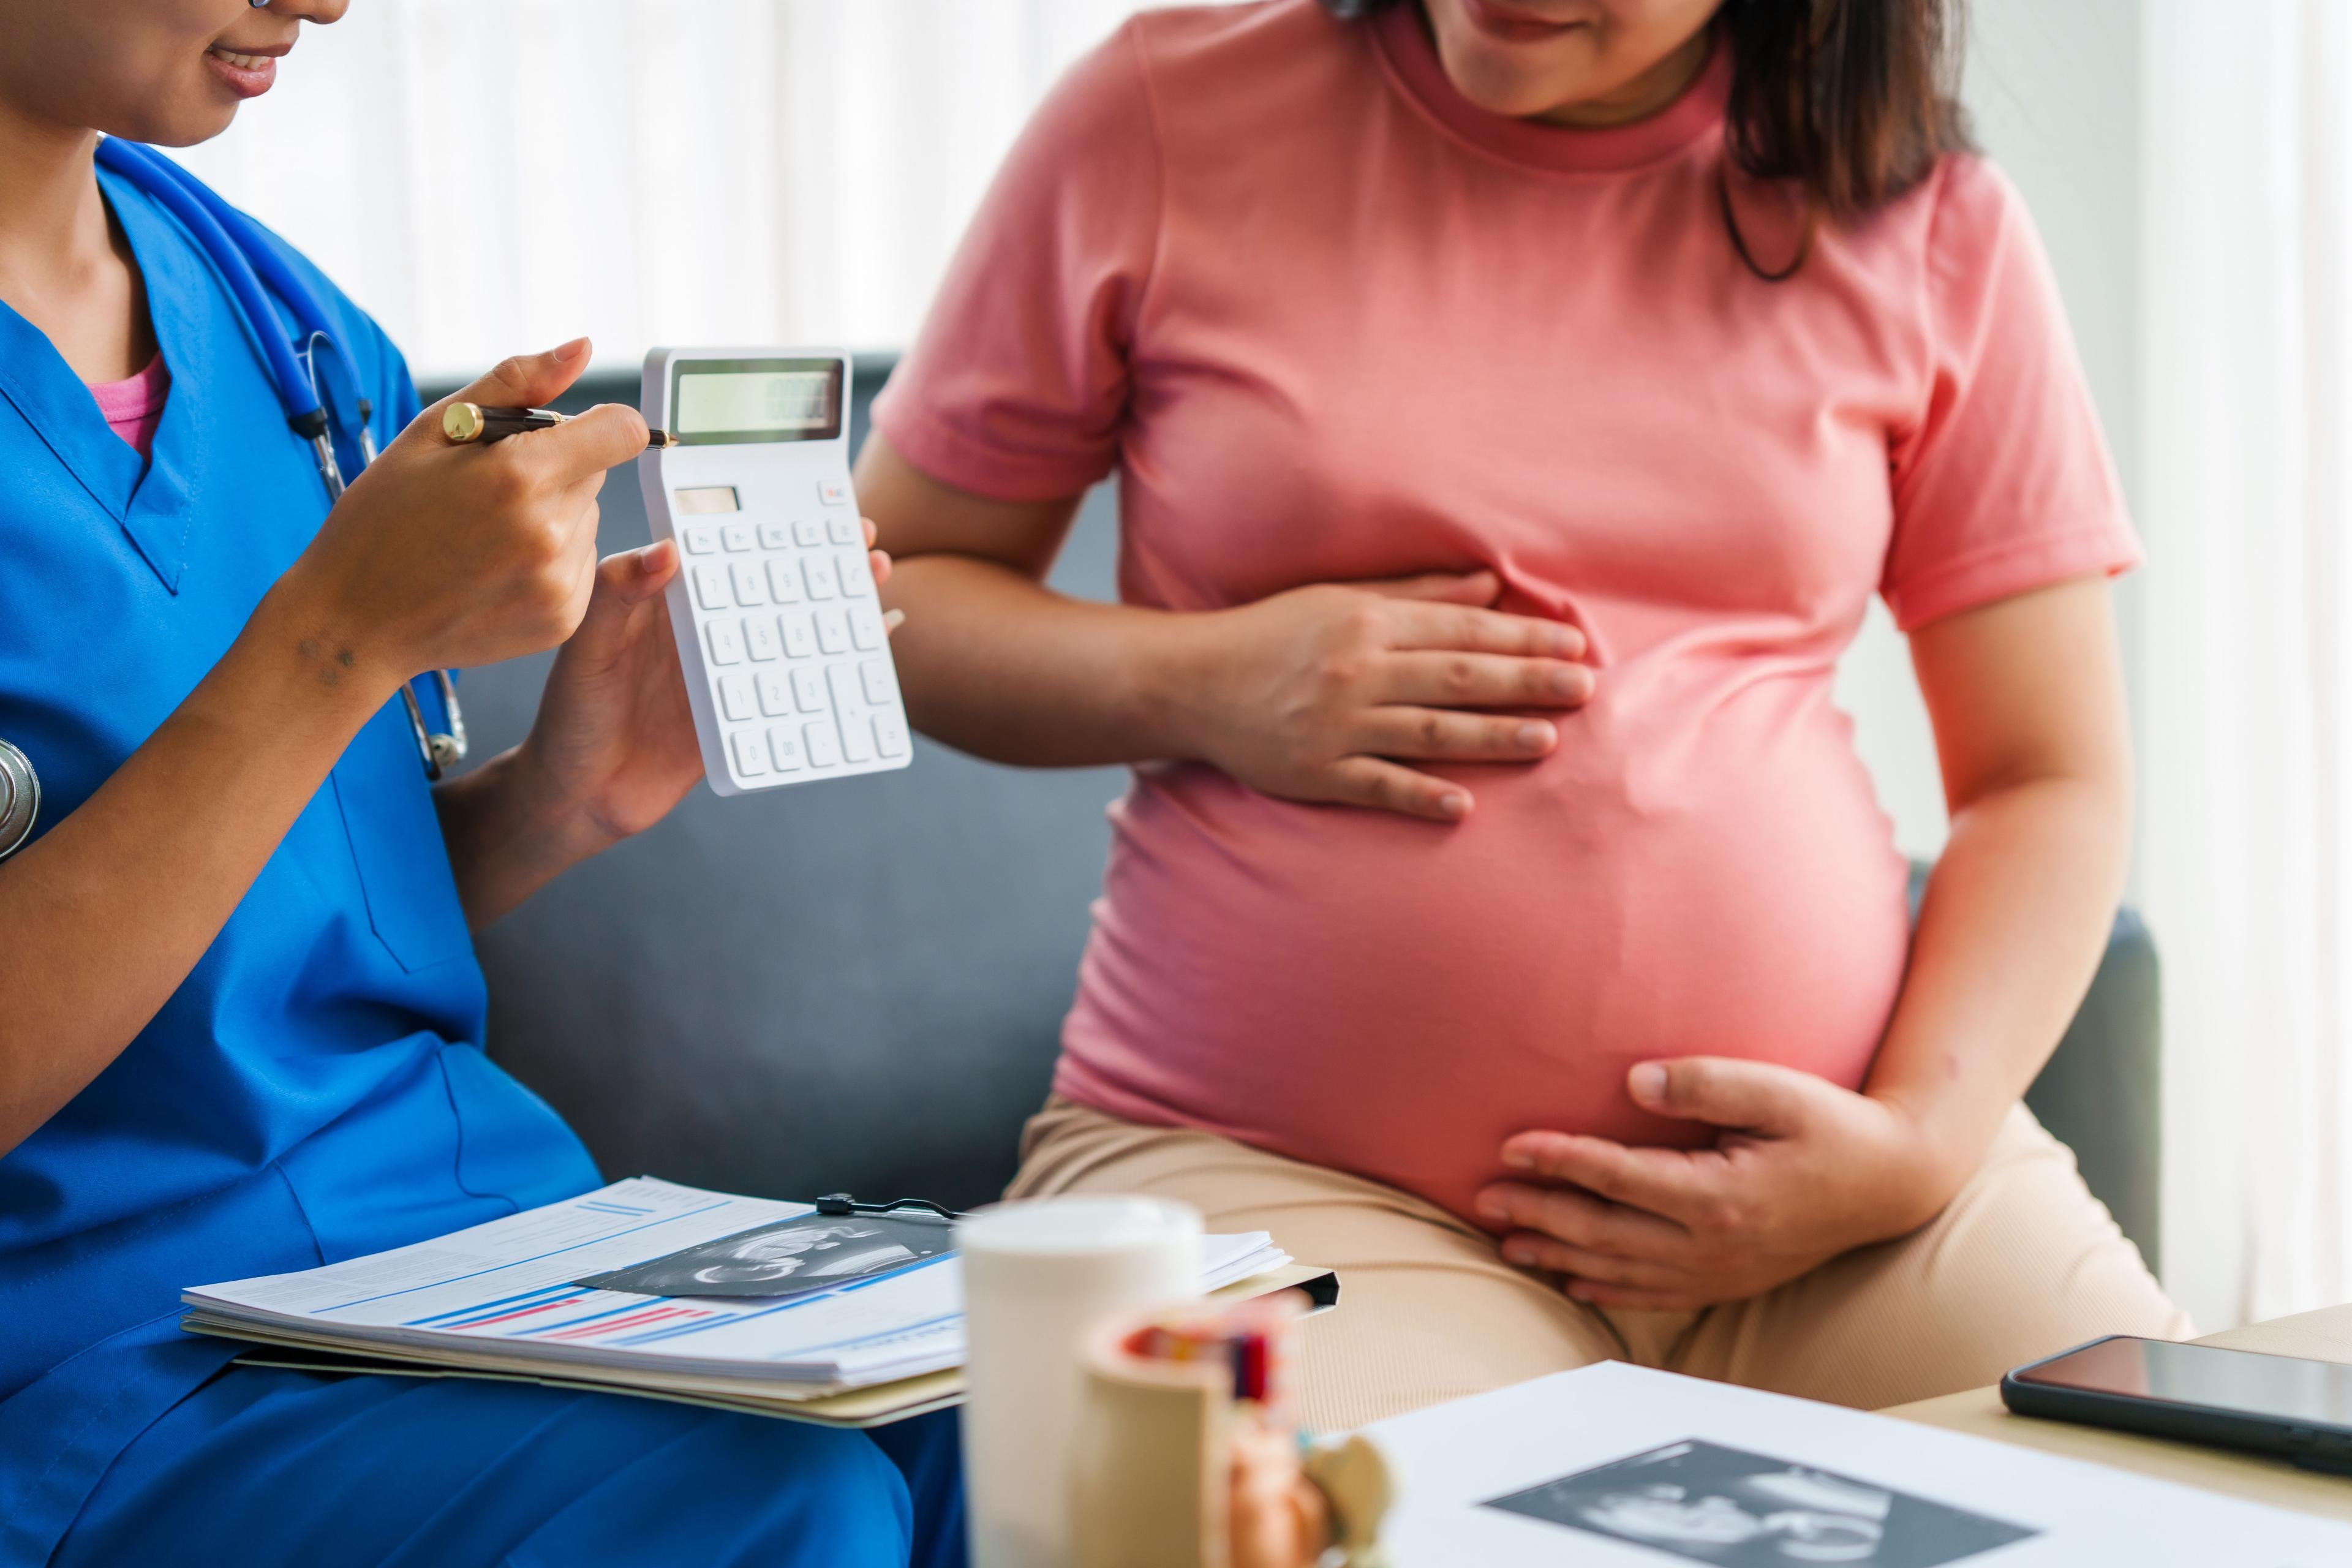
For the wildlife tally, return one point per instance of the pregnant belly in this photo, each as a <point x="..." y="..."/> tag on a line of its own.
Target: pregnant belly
<point x="1393" y="998"/>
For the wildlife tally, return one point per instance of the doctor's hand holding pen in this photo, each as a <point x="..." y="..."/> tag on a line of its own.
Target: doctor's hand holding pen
<point x="444" y="555"/>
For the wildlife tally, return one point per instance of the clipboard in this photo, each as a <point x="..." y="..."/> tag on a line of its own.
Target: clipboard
<point x="877" y="1405"/>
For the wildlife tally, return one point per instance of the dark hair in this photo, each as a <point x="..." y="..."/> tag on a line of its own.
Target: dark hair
<point x="1852" y="101"/>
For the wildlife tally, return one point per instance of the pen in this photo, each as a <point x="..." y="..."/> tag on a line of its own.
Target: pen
<point x="466" y="422"/>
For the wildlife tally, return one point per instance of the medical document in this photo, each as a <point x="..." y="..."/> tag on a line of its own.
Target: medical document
<point x="1618" y="1467"/>
<point x="737" y="1296"/>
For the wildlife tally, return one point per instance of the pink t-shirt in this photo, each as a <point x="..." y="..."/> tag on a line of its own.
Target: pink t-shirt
<point x="1327" y="321"/>
<point x="134" y="407"/>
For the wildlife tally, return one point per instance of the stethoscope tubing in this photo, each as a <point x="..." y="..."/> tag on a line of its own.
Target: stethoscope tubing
<point x="246" y="259"/>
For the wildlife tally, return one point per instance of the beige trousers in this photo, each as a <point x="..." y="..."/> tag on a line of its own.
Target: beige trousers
<point x="2023" y="1263"/>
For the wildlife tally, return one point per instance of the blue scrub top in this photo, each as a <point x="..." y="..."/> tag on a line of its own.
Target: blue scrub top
<point x="315" y="1088"/>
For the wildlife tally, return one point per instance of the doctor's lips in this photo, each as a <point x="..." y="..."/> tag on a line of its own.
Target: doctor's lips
<point x="469" y="422"/>
<point x="246" y="74"/>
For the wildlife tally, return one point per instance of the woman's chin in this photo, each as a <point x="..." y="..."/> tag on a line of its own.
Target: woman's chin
<point x="182" y="121"/>
<point x="1487" y="76"/>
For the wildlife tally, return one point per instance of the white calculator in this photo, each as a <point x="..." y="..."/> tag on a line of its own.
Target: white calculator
<point x="779" y="631"/>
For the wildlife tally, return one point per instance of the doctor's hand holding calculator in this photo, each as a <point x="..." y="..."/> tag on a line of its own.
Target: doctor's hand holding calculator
<point x="781" y="637"/>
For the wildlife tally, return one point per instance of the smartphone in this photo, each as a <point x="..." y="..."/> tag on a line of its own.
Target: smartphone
<point x="2296" y="1409"/>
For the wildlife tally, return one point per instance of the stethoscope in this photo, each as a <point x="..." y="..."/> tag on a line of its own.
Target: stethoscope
<point x="248" y="261"/>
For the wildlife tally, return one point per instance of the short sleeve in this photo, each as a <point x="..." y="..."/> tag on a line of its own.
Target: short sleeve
<point x="1017" y="386"/>
<point x="2004" y="484"/>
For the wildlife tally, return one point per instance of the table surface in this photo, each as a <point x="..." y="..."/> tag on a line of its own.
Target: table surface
<point x="2323" y="1335"/>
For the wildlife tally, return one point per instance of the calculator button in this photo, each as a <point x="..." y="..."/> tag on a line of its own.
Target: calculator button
<point x="775" y="693"/>
<point x="875" y="677"/>
<point x="751" y="757"/>
<point x="750" y="586"/>
<point x="817" y="573"/>
<point x="890" y="734"/>
<point x="857" y="738"/>
<point x="784" y="745"/>
<point x="775" y="536"/>
<point x="831" y="630"/>
<point x="856" y="578"/>
<point x="808" y="530"/>
<point x="783" y="581"/>
<point x="710" y="587"/>
<point x="823" y="751"/>
<point x="735" y="696"/>
<point x="726" y="643"/>
<point x="844" y="530"/>
<point x="833" y="492"/>
<point x="736" y="535"/>
<point x="843" y="681"/>
<point x="800" y="635"/>
<point x="760" y="639"/>
<point x="865" y="627"/>
<point x="702" y="540"/>
<point x="808" y="687"/>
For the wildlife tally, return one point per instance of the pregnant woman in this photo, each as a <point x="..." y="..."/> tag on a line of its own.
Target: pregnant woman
<point x="1516" y="407"/>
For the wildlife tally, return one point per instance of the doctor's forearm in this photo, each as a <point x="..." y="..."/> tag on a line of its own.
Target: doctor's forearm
<point x="508" y="836"/>
<point x="106" y="913"/>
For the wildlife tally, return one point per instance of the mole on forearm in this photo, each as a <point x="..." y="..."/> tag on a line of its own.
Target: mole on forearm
<point x="327" y="660"/>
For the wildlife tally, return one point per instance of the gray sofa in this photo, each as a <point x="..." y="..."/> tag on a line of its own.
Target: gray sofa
<point x="859" y="986"/>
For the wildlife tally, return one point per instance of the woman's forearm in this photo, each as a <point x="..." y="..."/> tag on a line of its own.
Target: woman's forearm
<point x="998" y="665"/>
<point x="103" y="916"/>
<point x="2016" y="918"/>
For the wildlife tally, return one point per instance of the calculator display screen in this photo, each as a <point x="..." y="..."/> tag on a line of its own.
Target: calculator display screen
<point x="718" y="402"/>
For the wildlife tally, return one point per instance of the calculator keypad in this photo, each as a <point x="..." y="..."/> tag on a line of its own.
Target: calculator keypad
<point x="793" y="641"/>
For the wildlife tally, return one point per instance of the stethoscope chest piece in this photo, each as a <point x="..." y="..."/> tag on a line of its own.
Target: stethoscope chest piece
<point x="20" y="799"/>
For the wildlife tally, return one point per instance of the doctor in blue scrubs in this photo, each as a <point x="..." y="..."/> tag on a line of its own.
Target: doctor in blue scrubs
<point x="240" y="1018"/>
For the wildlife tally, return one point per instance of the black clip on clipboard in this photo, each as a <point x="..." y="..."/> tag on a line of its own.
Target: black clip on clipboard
<point x="837" y="1203"/>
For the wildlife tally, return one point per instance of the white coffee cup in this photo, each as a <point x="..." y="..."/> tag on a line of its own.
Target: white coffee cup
<point x="1037" y="1275"/>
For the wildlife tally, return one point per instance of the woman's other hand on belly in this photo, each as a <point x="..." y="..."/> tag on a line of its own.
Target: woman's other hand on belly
<point x="1801" y="1170"/>
<point x="1330" y="693"/>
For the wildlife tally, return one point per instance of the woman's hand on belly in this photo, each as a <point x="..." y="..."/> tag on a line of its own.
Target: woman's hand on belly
<point x="1325" y="693"/>
<point x="1801" y="1172"/>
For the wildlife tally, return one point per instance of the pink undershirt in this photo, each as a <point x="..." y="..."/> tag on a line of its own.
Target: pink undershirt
<point x="134" y="407"/>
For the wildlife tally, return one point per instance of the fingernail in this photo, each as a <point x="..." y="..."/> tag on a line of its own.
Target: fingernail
<point x="572" y="351"/>
<point x="1568" y="681"/>
<point x="1453" y="805"/>
<point x="1517" y="1252"/>
<point x="1534" y="736"/>
<point x="1648" y="1083"/>
<point x="893" y="619"/>
<point x="1493" y="1207"/>
<point x="1518" y="1160"/>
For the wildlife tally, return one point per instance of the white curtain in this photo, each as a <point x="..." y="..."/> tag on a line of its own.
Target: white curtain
<point x="2245" y="654"/>
<point x="486" y="177"/>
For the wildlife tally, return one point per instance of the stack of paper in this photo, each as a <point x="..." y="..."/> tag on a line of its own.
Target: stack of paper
<point x="774" y="1321"/>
